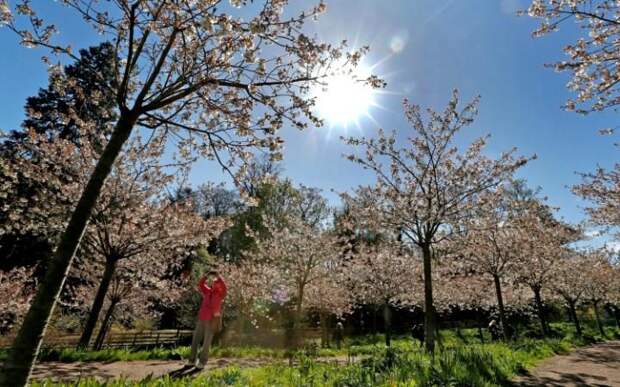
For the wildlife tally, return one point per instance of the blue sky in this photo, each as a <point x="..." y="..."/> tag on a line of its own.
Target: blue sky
<point x="477" y="46"/>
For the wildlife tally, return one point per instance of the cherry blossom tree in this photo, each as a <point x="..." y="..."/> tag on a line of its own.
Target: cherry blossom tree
<point x="298" y="253"/>
<point x="491" y="244"/>
<point x="384" y="275"/>
<point x="425" y="189"/>
<point x="592" y="60"/>
<point x="250" y="286"/>
<point x="568" y="280"/>
<point x="330" y="294"/>
<point x="144" y="281"/>
<point x="463" y="291"/>
<point x="15" y="294"/>
<point x="196" y="70"/>
<point x="125" y="224"/>
<point x="600" y="283"/>
<point x="541" y="241"/>
<point x="602" y="189"/>
<point x="135" y="232"/>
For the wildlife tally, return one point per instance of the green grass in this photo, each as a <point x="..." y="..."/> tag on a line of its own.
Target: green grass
<point x="460" y="361"/>
<point x="474" y="365"/>
<point x="69" y="355"/>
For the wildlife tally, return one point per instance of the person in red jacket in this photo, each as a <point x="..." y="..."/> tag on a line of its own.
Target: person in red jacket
<point x="209" y="317"/>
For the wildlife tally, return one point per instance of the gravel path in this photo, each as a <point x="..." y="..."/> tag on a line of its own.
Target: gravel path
<point x="597" y="365"/>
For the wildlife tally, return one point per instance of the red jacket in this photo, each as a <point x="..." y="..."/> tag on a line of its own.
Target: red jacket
<point x="212" y="298"/>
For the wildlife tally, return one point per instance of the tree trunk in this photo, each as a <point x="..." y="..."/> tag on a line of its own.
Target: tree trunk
<point x="573" y="313"/>
<point x="500" y="304"/>
<point x="480" y="324"/>
<point x="429" y="309"/>
<point x="95" y="309"/>
<point x="374" y="321"/>
<point x="18" y="365"/>
<point x="387" y="323"/>
<point x="105" y="326"/>
<point x="438" y="337"/>
<point x="617" y="315"/>
<point x="598" y="320"/>
<point x="324" y="329"/>
<point x="541" y="311"/>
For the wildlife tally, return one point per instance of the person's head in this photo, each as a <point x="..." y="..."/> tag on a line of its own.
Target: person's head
<point x="211" y="275"/>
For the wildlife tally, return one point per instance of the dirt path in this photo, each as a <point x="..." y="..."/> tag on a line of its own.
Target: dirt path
<point x="596" y="365"/>
<point x="137" y="370"/>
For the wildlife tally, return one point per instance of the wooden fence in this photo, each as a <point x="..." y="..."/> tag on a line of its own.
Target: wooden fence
<point x="128" y="339"/>
<point x="175" y="337"/>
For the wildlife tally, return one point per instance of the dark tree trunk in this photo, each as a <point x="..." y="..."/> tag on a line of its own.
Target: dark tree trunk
<point x="480" y="324"/>
<point x="500" y="304"/>
<point x="438" y="337"/>
<point x="95" y="309"/>
<point x="541" y="311"/>
<point x="105" y="326"/>
<point x="18" y="365"/>
<point x="598" y="320"/>
<point x="617" y="315"/>
<point x="292" y="329"/>
<point x="324" y="329"/>
<point x="387" y="322"/>
<point x="573" y="313"/>
<point x="374" y="320"/>
<point x="429" y="309"/>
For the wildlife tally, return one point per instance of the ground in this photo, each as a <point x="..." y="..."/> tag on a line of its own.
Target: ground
<point x="596" y="365"/>
<point x="140" y="369"/>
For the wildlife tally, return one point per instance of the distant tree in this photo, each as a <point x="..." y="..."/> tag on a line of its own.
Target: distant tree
<point x="298" y="254"/>
<point x="330" y="294"/>
<point x="195" y="70"/>
<point x="214" y="200"/>
<point x="64" y="110"/>
<point x="491" y="243"/>
<point x="541" y="239"/>
<point x="425" y="189"/>
<point x="252" y="290"/>
<point x="76" y="102"/>
<point x="274" y="199"/>
<point x="569" y="281"/>
<point x="385" y="276"/>
<point x="601" y="281"/>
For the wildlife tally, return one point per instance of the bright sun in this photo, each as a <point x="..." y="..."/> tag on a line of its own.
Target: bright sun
<point x="344" y="98"/>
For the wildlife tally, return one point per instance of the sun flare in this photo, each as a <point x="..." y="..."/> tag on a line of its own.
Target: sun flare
<point x="343" y="98"/>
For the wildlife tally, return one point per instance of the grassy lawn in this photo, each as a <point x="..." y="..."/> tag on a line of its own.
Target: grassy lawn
<point x="461" y="361"/>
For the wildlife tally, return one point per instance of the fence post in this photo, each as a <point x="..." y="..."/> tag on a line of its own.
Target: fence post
<point x="133" y="343"/>
<point x="157" y="339"/>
